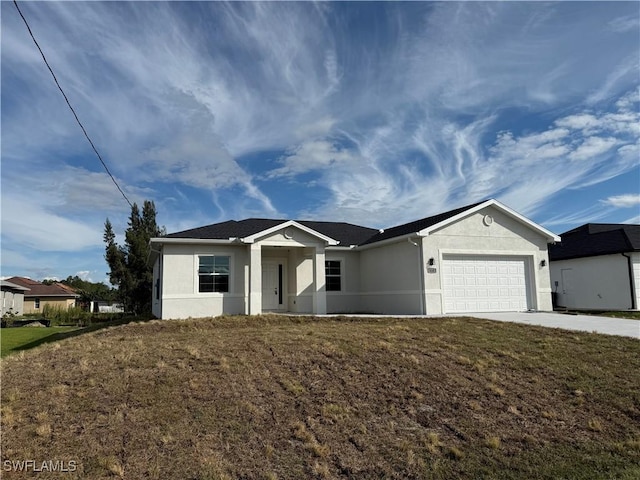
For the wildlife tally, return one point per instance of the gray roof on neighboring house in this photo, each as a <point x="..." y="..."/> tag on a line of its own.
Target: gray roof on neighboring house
<point x="594" y="239"/>
<point x="346" y="233"/>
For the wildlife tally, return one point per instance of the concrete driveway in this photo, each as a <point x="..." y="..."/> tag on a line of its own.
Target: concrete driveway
<point x="585" y="323"/>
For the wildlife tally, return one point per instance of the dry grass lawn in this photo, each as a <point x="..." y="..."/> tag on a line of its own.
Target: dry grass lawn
<point x="292" y="397"/>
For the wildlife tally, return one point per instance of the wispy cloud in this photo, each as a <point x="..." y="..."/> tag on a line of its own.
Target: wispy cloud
<point x="391" y="111"/>
<point x="31" y="225"/>
<point x="623" y="201"/>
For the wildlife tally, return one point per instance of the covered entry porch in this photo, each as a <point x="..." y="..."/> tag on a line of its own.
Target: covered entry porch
<point x="286" y="271"/>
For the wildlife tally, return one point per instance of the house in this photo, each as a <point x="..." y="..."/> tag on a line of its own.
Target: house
<point x="38" y="294"/>
<point x="597" y="266"/>
<point x="12" y="298"/>
<point x="481" y="257"/>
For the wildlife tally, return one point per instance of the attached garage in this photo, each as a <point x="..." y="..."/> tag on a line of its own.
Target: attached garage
<point x="485" y="283"/>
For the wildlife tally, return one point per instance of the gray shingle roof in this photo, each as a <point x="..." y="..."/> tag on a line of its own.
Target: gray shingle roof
<point x="346" y="233"/>
<point x="594" y="239"/>
<point x="417" y="225"/>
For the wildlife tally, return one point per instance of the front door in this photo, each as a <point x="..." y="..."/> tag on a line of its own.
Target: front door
<point x="272" y="286"/>
<point x="568" y="294"/>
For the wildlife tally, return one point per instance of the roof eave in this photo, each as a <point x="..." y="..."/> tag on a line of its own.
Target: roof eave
<point x="387" y="241"/>
<point x="61" y="295"/>
<point x="589" y="255"/>
<point x="191" y="241"/>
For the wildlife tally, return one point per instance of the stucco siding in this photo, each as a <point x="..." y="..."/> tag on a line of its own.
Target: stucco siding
<point x="600" y="283"/>
<point x="289" y="237"/>
<point x="347" y="300"/>
<point x="203" y="307"/>
<point x="180" y="296"/>
<point x="301" y="280"/>
<point x="473" y="235"/>
<point x="390" y="279"/>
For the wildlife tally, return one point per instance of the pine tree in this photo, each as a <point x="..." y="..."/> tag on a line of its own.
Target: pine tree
<point x="128" y="264"/>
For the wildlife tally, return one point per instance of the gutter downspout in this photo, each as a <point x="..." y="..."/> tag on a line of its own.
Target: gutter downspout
<point x="631" y="285"/>
<point x="421" y="275"/>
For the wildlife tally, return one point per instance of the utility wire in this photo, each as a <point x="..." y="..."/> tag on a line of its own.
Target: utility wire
<point x="69" y="104"/>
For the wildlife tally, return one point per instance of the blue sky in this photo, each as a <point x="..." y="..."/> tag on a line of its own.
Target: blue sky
<point x="371" y="113"/>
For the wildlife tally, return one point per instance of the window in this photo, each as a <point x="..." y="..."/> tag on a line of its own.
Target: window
<point x="333" y="277"/>
<point x="36" y="303"/>
<point x="213" y="274"/>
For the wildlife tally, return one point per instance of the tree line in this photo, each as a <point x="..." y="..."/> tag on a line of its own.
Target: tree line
<point x="88" y="291"/>
<point x="129" y="267"/>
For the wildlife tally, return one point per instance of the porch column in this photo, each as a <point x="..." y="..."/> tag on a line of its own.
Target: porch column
<point x="319" y="291"/>
<point x="255" y="279"/>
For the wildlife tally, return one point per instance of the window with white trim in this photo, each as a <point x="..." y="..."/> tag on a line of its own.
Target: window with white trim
<point x="213" y="273"/>
<point x="333" y="275"/>
<point x="36" y="303"/>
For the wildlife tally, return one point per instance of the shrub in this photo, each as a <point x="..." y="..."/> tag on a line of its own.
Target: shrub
<point x="59" y="315"/>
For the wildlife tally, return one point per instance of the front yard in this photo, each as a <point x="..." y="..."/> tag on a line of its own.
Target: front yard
<point x="23" y="338"/>
<point x="295" y="397"/>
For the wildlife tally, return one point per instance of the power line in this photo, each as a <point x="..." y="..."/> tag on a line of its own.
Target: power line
<point x="69" y="105"/>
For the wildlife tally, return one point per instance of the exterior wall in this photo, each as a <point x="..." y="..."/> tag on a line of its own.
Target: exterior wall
<point x="390" y="279"/>
<point x="177" y="267"/>
<point x="12" y="301"/>
<point x="348" y="299"/>
<point x="300" y="276"/>
<point x="599" y="283"/>
<point x="180" y="297"/>
<point x="471" y="235"/>
<point x="56" y="302"/>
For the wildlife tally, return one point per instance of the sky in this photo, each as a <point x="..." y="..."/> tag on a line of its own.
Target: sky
<point x="370" y="113"/>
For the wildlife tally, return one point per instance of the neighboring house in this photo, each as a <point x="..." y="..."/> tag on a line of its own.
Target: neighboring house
<point x="12" y="298"/>
<point x="39" y="295"/>
<point x="482" y="257"/>
<point x="597" y="266"/>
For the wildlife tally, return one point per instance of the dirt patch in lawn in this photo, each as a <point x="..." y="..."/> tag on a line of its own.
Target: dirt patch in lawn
<point x="295" y="397"/>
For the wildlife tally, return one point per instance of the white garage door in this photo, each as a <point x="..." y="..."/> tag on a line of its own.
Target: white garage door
<point x="474" y="283"/>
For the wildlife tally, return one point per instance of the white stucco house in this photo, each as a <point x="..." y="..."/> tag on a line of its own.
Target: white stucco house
<point x="597" y="267"/>
<point x="481" y="257"/>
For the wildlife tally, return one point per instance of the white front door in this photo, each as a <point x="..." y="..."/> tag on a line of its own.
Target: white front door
<point x="272" y="286"/>
<point x="567" y="300"/>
